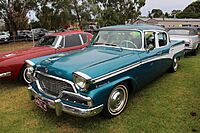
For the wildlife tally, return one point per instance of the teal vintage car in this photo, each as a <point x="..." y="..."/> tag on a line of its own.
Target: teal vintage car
<point x="121" y="59"/>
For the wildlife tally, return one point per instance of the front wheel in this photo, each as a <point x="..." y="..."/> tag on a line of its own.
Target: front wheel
<point x="117" y="101"/>
<point x="174" y="65"/>
<point x="23" y="76"/>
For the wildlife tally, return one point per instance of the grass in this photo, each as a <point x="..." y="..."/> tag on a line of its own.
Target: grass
<point x="170" y="104"/>
<point x="15" y="46"/>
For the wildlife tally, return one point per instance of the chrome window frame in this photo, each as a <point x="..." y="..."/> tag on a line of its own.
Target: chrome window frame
<point x="142" y="36"/>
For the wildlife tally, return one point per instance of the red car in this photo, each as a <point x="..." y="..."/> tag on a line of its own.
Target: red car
<point x="13" y="66"/>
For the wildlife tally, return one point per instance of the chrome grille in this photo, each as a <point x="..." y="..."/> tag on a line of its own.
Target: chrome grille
<point x="53" y="86"/>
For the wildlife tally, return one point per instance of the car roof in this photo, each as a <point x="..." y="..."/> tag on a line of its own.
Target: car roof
<point x="66" y="33"/>
<point x="183" y="28"/>
<point x="141" y="27"/>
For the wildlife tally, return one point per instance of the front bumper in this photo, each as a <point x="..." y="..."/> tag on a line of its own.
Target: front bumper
<point x="60" y="107"/>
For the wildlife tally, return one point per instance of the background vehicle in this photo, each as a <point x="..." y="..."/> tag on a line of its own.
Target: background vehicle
<point x="4" y="37"/>
<point x="40" y="32"/>
<point x="189" y="35"/>
<point x="12" y="64"/>
<point x="99" y="78"/>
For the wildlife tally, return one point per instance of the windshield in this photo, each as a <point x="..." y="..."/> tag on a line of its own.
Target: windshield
<point x="48" y="41"/>
<point x="121" y="38"/>
<point x="179" y="32"/>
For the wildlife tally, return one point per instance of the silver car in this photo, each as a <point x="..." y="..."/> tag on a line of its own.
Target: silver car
<point x="189" y="35"/>
<point x="4" y="37"/>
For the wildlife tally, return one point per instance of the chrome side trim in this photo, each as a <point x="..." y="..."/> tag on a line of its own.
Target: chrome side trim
<point x="6" y="74"/>
<point x="114" y="73"/>
<point x="122" y="70"/>
<point x="57" y="78"/>
<point x="30" y="62"/>
<point x="85" y="76"/>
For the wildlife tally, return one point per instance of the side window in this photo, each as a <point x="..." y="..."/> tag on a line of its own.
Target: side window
<point x="162" y="39"/>
<point x="149" y="39"/>
<point x="72" y="40"/>
<point x="85" y="38"/>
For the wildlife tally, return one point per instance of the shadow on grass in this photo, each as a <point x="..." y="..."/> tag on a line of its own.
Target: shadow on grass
<point x="11" y="84"/>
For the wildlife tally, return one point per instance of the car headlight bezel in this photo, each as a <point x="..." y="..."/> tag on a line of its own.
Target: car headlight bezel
<point x="81" y="81"/>
<point x="30" y="70"/>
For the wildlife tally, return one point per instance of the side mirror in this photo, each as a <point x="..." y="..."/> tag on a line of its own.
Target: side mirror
<point x="150" y="47"/>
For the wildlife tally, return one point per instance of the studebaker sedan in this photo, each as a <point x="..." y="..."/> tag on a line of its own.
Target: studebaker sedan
<point x="189" y="35"/>
<point x="13" y="66"/>
<point x="120" y="60"/>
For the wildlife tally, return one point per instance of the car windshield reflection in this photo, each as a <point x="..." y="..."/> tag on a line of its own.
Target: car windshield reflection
<point x="121" y="38"/>
<point x="48" y="41"/>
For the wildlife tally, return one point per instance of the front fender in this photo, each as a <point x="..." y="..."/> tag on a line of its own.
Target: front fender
<point x="100" y="94"/>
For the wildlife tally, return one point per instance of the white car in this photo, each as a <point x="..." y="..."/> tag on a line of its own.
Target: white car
<point x="4" y="37"/>
<point x="189" y="35"/>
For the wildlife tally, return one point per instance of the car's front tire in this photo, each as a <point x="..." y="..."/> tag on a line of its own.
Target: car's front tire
<point x="23" y="76"/>
<point x="117" y="101"/>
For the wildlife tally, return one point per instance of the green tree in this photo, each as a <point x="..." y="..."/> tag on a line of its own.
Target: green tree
<point x="119" y="10"/>
<point x="191" y="11"/>
<point x="174" y="13"/>
<point x="157" y="13"/>
<point x="14" y="13"/>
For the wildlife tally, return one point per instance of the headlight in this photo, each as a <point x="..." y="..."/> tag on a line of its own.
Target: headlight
<point x="81" y="81"/>
<point x="30" y="71"/>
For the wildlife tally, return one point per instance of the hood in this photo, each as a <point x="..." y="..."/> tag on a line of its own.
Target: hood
<point x="90" y="61"/>
<point x="24" y="52"/>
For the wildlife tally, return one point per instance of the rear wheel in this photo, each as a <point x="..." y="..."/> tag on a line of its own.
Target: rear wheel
<point x="117" y="101"/>
<point x="174" y="65"/>
<point x="195" y="52"/>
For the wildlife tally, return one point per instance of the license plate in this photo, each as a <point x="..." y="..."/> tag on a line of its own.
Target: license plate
<point x="40" y="103"/>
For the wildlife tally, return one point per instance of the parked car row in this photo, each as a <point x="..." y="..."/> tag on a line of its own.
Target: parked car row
<point x="98" y="73"/>
<point x="4" y="37"/>
<point x="28" y="35"/>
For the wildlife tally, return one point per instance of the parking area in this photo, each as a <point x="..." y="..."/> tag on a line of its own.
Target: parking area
<point x="169" y="104"/>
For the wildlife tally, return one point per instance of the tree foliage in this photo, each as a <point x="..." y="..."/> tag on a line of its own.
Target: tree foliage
<point x="55" y="14"/>
<point x="191" y="11"/>
<point x="14" y="13"/>
<point x="156" y="13"/>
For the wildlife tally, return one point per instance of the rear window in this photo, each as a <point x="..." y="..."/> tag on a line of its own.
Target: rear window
<point x="84" y="37"/>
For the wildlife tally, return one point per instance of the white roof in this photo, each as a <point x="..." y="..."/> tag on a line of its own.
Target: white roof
<point x="171" y="19"/>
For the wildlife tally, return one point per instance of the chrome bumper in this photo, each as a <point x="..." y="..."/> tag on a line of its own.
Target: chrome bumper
<point x="60" y="107"/>
<point x="6" y="74"/>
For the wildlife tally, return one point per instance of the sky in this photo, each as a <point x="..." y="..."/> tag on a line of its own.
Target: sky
<point x="165" y="5"/>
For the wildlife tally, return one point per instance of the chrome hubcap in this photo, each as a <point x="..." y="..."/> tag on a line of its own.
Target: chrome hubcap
<point x="175" y="64"/>
<point x="117" y="100"/>
<point x="26" y="78"/>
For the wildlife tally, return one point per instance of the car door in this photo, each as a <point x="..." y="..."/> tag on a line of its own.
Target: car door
<point x="150" y="64"/>
<point x="163" y="47"/>
<point x="71" y="42"/>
